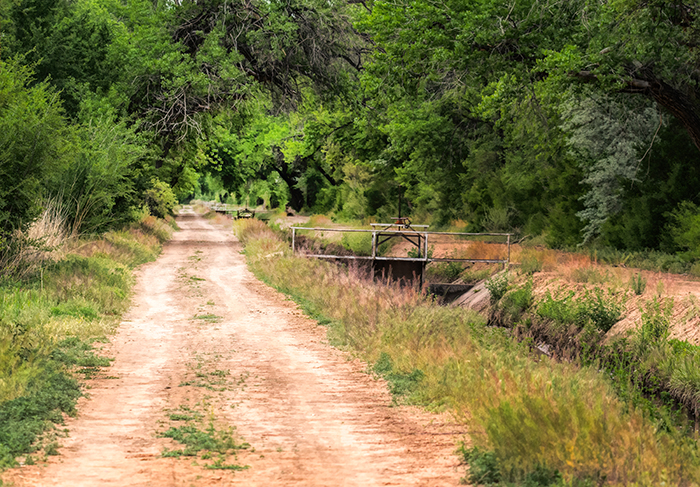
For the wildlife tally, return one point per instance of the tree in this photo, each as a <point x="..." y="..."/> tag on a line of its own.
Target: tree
<point x="222" y="53"/>
<point x="66" y="43"/>
<point x="32" y="140"/>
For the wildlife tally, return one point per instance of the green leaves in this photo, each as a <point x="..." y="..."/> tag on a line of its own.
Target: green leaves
<point x="32" y="133"/>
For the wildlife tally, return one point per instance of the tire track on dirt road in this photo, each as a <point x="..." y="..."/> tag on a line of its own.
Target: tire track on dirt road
<point x="204" y="336"/>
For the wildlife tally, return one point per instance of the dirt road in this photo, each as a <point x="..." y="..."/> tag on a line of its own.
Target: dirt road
<point x="207" y="346"/>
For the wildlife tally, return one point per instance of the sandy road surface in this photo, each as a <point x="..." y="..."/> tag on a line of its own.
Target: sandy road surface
<point x="205" y="336"/>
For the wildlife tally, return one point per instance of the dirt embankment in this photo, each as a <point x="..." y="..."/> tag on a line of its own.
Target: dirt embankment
<point x="206" y="345"/>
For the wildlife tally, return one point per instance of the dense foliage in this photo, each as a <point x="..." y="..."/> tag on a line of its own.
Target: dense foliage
<point x="569" y="121"/>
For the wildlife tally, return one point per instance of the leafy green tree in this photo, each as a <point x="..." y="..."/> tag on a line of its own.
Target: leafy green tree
<point x="607" y="137"/>
<point x="32" y="141"/>
<point x="67" y="43"/>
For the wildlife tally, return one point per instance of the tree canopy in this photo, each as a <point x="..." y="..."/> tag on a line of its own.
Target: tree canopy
<point x="572" y="121"/>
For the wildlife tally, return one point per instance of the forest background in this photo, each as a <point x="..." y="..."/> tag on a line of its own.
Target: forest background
<point x="570" y="122"/>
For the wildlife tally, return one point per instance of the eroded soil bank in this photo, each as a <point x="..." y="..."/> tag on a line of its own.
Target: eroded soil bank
<point x="207" y="345"/>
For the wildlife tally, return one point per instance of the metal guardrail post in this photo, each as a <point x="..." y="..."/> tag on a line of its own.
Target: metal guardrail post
<point x="507" y="263"/>
<point x="374" y="245"/>
<point x="294" y="231"/>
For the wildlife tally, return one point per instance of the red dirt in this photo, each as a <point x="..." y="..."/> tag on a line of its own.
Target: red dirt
<point x="311" y="414"/>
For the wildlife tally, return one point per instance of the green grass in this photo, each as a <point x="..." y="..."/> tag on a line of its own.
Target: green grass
<point x="204" y="443"/>
<point x="209" y="318"/>
<point x="219" y="464"/>
<point x="401" y="384"/>
<point x="198" y="440"/>
<point x="201" y="438"/>
<point x="48" y="324"/>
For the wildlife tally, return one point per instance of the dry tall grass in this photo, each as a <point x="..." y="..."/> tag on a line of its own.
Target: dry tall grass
<point x="529" y="412"/>
<point x="43" y="242"/>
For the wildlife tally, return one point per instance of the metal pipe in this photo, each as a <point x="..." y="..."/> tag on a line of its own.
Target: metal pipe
<point x="394" y="224"/>
<point x="406" y="232"/>
<point x="403" y="259"/>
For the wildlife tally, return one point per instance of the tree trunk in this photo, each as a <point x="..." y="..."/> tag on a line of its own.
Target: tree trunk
<point x="289" y="176"/>
<point x="678" y="104"/>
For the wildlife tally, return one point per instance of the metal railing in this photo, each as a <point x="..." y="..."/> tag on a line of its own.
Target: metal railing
<point x="419" y="239"/>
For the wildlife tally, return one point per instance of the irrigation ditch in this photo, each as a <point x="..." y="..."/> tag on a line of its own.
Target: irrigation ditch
<point x="652" y="375"/>
<point x="567" y="329"/>
<point x="374" y="253"/>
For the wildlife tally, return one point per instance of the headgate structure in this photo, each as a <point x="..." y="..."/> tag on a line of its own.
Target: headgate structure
<point x="402" y="268"/>
<point x="232" y="210"/>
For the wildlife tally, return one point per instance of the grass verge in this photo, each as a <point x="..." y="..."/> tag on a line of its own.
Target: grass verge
<point x="50" y="319"/>
<point x="540" y="422"/>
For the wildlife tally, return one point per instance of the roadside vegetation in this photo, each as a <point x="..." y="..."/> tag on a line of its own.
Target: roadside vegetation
<point x="61" y="295"/>
<point x="532" y="419"/>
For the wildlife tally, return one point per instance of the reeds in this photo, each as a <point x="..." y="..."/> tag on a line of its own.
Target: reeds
<point x="43" y="242"/>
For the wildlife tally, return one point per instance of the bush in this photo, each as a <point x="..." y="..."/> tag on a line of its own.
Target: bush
<point x="512" y="306"/>
<point x="594" y="308"/>
<point x="656" y="322"/>
<point x="483" y="466"/>
<point x="498" y="287"/>
<point x="685" y="228"/>
<point x="443" y="271"/>
<point x="531" y="262"/>
<point x="160" y="198"/>
<point x="357" y="243"/>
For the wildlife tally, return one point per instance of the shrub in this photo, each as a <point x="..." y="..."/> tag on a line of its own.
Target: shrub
<point x="531" y="262"/>
<point x="483" y="466"/>
<point x="512" y="306"/>
<point x="478" y="273"/>
<point x="497" y="287"/>
<point x="602" y="311"/>
<point x="685" y="228"/>
<point x="594" y="308"/>
<point x="590" y="275"/>
<point x="443" y="271"/>
<point x="656" y="322"/>
<point x="160" y="198"/>
<point x="357" y="243"/>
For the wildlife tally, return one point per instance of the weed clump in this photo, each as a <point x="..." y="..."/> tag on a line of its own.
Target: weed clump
<point x="196" y="440"/>
<point x="638" y="284"/>
<point x="401" y="384"/>
<point x="497" y="287"/>
<point x="595" y="308"/>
